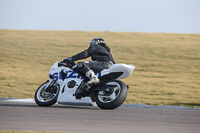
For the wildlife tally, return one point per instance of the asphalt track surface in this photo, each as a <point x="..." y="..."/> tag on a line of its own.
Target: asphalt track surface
<point x="86" y="119"/>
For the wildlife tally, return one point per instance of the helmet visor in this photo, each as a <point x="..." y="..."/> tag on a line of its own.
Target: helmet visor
<point x="96" y="41"/>
<point x="93" y="42"/>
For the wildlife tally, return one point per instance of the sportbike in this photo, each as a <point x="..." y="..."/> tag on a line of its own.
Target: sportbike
<point x="63" y="83"/>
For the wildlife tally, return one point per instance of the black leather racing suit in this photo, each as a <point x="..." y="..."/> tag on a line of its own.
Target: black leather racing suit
<point x="100" y="55"/>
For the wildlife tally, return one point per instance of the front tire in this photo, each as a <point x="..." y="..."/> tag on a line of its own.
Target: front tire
<point x="44" y="97"/>
<point x="115" y="99"/>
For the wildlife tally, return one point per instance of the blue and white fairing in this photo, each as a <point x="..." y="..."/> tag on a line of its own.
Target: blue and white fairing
<point x="66" y="93"/>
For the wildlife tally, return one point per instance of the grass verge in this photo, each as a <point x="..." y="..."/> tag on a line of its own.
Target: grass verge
<point x="167" y="65"/>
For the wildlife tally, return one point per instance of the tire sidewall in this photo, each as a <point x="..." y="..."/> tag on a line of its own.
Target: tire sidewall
<point x="47" y="103"/>
<point x="116" y="102"/>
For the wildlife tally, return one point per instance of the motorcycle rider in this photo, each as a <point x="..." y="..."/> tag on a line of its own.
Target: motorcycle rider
<point x="101" y="59"/>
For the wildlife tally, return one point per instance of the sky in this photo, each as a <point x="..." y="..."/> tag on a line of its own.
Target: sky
<point x="151" y="16"/>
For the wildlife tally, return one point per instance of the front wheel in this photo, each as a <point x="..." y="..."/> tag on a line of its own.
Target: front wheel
<point x="47" y="93"/>
<point x="113" y="96"/>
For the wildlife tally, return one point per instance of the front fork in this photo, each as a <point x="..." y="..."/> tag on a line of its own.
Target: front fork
<point x="51" y="82"/>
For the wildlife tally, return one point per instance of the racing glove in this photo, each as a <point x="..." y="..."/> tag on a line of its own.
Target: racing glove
<point x="68" y="62"/>
<point x="69" y="59"/>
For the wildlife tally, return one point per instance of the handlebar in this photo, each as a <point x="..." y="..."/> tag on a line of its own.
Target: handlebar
<point x="66" y="64"/>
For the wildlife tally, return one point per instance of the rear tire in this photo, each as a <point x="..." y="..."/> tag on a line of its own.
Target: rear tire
<point x="115" y="99"/>
<point x="43" y="98"/>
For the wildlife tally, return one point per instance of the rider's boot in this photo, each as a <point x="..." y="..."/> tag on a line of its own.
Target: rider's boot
<point x="93" y="78"/>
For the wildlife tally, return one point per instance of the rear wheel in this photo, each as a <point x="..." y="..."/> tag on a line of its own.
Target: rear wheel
<point x="47" y="93"/>
<point x="113" y="96"/>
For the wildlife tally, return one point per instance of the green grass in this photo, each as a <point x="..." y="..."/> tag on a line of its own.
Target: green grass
<point x="167" y="65"/>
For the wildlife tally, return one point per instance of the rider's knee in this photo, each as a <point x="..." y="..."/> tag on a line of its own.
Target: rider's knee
<point x="81" y="67"/>
<point x="80" y="64"/>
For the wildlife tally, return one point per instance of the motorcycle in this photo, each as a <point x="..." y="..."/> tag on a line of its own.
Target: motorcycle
<point x="64" y="83"/>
